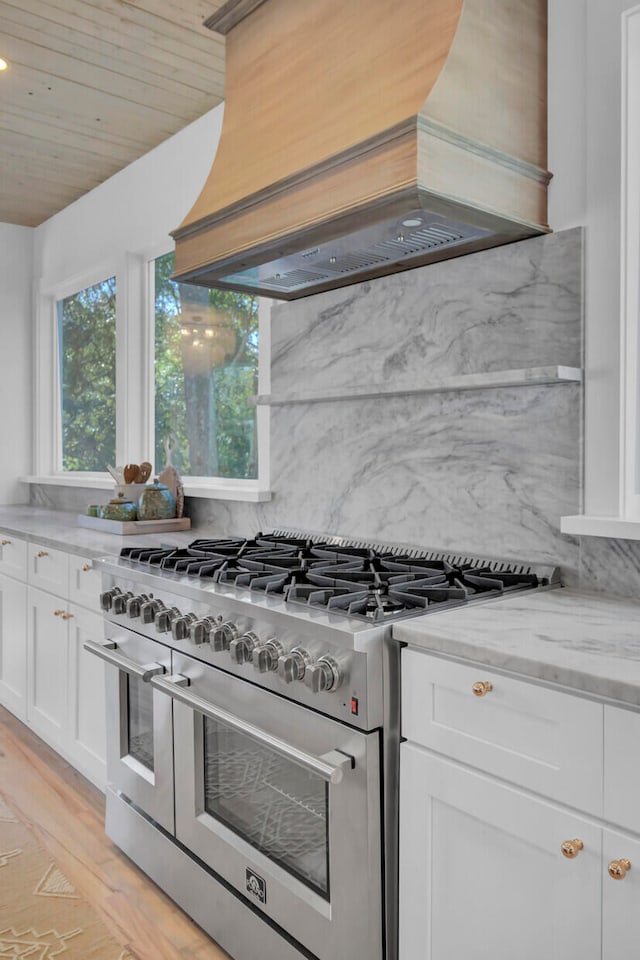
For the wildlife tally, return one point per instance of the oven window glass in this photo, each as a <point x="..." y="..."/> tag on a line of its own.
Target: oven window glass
<point x="140" y="720"/>
<point x="281" y="809"/>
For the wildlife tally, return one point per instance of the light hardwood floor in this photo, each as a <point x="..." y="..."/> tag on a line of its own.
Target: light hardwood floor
<point x="66" y="813"/>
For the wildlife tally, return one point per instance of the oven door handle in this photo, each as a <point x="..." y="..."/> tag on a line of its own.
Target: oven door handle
<point x="329" y="767"/>
<point x="106" y="651"/>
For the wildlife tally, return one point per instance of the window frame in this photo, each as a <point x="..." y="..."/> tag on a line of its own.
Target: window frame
<point x="135" y="401"/>
<point x="616" y="486"/>
<point x="630" y="268"/>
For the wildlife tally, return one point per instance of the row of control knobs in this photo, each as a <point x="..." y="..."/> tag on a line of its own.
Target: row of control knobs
<point x="266" y="655"/>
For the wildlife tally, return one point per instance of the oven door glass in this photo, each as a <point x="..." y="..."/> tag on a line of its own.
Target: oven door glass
<point x="139" y="733"/>
<point x="280" y="808"/>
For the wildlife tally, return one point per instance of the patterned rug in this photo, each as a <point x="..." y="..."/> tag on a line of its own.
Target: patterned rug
<point x="42" y="916"/>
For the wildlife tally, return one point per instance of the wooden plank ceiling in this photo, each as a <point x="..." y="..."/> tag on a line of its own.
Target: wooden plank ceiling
<point x="92" y="85"/>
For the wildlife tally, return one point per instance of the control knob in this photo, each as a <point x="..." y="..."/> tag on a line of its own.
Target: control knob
<point x="293" y="665"/>
<point x="325" y="675"/>
<point x="148" y="610"/>
<point x="223" y="636"/>
<point x="200" y="630"/>
<point x="266" y="655"/>
<point x="119" y="604"/>
<point x="134" y="604"/>
<point x="242" y="648"/>
<point x="180" y="626"/>
<point x="108" y="596"/>
<point x="164" y="618"/>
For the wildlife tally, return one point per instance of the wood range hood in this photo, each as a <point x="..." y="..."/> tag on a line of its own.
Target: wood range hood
<point x="365" y="137"/>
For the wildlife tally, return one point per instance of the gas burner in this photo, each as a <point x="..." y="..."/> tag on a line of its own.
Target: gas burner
<point x="366" y="582"/>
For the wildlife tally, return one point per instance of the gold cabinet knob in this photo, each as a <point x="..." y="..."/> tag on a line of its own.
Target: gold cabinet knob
<point x="5" y="543"/>
<point x="58" y="613"/>
<point x="618" y="869"/>
<point x="67" y="616"/>
<point x="42" y="553"/>
<point x="86" y="566"/>
<point x="571" y="848"/>
<point x="482" y="687"/>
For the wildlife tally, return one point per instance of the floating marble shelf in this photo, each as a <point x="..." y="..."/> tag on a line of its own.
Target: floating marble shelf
<point x="469" y="381"/>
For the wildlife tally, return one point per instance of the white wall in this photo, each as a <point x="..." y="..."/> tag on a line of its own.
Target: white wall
<point x="134" y="210"/>
<point x="15" y="360"/>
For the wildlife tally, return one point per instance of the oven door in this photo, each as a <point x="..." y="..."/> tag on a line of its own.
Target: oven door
<point x="139" y="724"/>
<point x="283" y="804"/>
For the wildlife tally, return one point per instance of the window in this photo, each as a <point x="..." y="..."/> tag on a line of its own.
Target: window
<point x="205" y="375"/>
<point x="87" y="377"/>
<point x="117" y="377"/>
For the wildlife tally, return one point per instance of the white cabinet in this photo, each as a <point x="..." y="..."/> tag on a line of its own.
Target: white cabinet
<point x="49" y="605"/>
<point x="84" y="583"/>
<point x="13" y="624"/>
<point x="482" y="872"/>
<point x="13" y="556"/>
<point x="48" y="569"/>
<point x="493" y="782"/>
<point x="47" y="666"/>
<point x="13" y="647"/>
<point x="87" y="714"/>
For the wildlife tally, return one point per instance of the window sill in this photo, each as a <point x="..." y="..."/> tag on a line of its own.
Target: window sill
<point x="247" y="490"/>
<point x="613" y="527"/>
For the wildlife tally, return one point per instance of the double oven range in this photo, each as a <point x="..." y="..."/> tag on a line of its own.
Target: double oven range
<point x="253" y="728"/>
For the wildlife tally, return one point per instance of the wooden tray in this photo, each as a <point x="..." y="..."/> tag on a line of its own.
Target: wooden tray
<point x="125" y="527"/>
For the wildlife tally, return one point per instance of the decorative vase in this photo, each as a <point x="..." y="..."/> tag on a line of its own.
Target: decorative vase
<point x="120" y="509"/>
<point x="156" y="502"/>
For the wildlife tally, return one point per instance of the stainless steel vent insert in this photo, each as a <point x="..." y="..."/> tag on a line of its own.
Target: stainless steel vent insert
<point x="391" y="242"/>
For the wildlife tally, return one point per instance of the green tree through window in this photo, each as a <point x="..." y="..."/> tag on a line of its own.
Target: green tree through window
<point x="206" y="371"/>
<point x="87" y="352"/>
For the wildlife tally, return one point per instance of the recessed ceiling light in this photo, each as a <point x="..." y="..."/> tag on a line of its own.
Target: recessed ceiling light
<point x="3" y="64"/>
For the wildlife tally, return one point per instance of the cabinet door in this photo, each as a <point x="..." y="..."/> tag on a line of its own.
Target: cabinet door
<point x="48" y="569"/>
<point x="621" y="897"/>
<point x="482" y="873"/>
<point x="84" y="583"/>
<point x="622" y="767"/>
<point x="540" y="739"/>
<point x="13" y="556"/>
<point x="47" y="667"/>
<point x="13" y="646"/>
<point x="87" y="743"/>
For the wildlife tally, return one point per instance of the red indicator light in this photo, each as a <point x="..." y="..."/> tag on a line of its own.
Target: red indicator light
<point x="354" y="706"/>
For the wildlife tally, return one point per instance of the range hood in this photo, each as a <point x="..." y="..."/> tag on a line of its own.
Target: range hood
<point x="366" y="137"/>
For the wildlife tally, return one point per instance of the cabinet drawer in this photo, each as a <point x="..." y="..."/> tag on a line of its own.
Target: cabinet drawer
<point x="622" y="767"/>
<point x="84" y="582"/>
<point x="13" y="556"/>
<point x="548" y="741"/>
<point x="48" y="569"/>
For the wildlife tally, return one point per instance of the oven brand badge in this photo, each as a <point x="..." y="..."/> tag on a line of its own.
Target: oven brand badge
<point x="256" y="886"/>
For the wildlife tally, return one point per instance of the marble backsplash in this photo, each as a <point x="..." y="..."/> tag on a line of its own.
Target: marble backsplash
<point x="487" y="471"/>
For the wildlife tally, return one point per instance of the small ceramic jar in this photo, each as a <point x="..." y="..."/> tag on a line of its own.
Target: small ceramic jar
<point x="120" y="509"/>
<point x="156" y="502"/>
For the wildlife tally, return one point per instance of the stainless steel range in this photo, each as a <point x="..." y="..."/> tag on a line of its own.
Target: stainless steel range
<point x="253" y="729"/>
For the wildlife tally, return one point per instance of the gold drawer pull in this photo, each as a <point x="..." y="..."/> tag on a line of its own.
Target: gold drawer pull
<point x="482" y="687"/>
<point x="571" y="848"/>
<point x="67" y="616"/>
<point x="86" y="566"/>
<point x="618" y="869"/>
<point x="6" y="543"/>
<point x="42" y="553"/>
<point x="58" y="613"/>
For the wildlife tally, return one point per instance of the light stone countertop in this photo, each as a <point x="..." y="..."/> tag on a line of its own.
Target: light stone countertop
<point x="585" y="641"/>
<point x="60" y="529"/>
